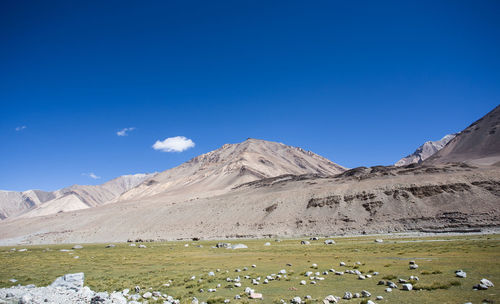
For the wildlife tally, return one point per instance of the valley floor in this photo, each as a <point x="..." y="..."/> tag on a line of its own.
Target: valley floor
<point x="175" y="263"/>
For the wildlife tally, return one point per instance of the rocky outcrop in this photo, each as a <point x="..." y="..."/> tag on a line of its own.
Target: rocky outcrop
<point x="70" y="289"/>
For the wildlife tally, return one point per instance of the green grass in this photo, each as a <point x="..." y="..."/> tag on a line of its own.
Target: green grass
<point x="109" y="269"/>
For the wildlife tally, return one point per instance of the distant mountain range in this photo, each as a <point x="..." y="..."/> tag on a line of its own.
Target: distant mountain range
<point x="262" y="188"/>
<point x="37" y="203"/>
<point x="424" y="151"/>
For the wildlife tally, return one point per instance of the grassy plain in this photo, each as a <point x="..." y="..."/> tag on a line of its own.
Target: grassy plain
<point x="108" y="269"/>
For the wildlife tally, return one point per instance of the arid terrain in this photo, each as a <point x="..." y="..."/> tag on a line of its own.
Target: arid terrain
<point x="259" y="188"/>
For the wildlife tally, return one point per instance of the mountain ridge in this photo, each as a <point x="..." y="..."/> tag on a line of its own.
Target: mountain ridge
<point x="31" y="203"/>
<point x="425" y="151"/>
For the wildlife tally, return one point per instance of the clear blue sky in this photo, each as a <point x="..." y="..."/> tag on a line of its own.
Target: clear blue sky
<point x="359" y="82"/>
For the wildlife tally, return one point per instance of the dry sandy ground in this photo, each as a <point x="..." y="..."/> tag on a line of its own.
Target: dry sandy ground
<point x="370" y="200"/>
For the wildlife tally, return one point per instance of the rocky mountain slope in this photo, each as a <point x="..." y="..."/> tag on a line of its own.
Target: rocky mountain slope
<point x="14" y="203"/>
<point x="477" y="144"/>
<point x="425" y="151"/>
<point x="371" y="200"/>
<point x="37" y="203"/>
<point x="220" y="170"/>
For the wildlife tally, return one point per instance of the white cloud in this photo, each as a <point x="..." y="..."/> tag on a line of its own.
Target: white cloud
<point x="124" y="131"/>
<point x="91" y="175"/>
<point x="174" y="144"/>
<point x="20" y="128"/>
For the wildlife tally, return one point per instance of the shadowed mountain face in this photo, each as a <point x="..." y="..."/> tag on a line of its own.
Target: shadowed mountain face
<point x="425" y="151"/>
<point x="221" y="170"/>
<point x="477" y="144"/>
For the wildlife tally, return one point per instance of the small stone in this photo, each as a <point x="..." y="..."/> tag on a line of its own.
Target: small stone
<point x="347" y="295"/>
<point x="388" y="289"/>
<point x="366" y="294"/>
<point x="407" y="286"/>
<point x="487" y="282"/>
<point x="147" y="295"/>
<point x="379" y="298"/>
<point x="331" y="299"/>
<point x="460" y="273"/>
<point x="255" y="295"/>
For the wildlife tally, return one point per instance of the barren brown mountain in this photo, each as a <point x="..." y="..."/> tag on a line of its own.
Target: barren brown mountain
<point x="259" y="188"/>
<point x="477" y="144"/>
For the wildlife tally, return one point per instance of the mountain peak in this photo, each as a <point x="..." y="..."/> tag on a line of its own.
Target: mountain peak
<point x="425" y="151"/>
<point x="232" y="164"/>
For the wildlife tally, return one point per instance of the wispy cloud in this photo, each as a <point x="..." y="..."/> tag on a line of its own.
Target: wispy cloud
<point x="91" y="175"/>
<point x="20" y="128"/>
<point x="125" y="131"/>
<point x="174" y="144"/>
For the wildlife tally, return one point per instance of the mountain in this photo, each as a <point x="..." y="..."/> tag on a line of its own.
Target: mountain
<point x="261" y="189"/>
<point x="477" y="144"/>
<point x="425" y="151"/>
<point x="14" y="203"/>
<point x="221" y="170"/>
<point x="37" y="203"/>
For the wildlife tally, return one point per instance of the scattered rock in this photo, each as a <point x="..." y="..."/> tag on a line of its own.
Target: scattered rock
<point x="460" y="274"/>
<point x="329" y="242"/>
<point x="379" y="241"/>
<point x="77" y="247"/>
<point x="331" y="299"/>
<point x="486" y="282"/>
<point x="239" y="246"/>
<point x="305" y="243"/>
<point x="407" y="286"/>
<point x="347" y="295"/>
<point x="255" y="295"/>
